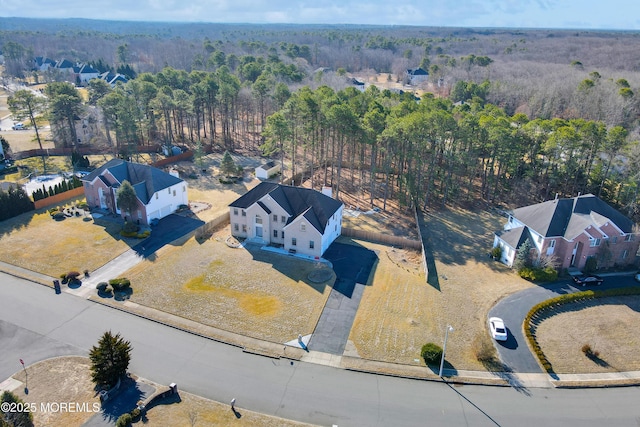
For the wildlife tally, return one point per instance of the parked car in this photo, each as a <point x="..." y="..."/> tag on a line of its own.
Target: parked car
<point x="588" y="279"/>
<point x="637" y="276"/>
<point x="497" y="328"/>
<point x="18" y="126"/>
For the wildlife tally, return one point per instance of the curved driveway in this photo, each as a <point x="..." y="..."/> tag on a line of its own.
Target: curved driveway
<point x="37" y="324"/>
<point x="515" y="353"/>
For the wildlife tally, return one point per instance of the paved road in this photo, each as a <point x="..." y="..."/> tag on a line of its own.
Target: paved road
<point x="40" y="324"/>
<point x="515" y="353"/>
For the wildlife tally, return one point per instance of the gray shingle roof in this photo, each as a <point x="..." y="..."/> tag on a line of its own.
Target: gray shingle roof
<point x="570" y="217"/>
<point x="316" y="207"/>
<point x="145" y="179"/>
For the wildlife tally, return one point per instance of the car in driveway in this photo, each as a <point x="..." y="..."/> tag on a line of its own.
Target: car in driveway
<point x="497" y="329"/>
<point x="18" y="126"/>
<point x="587" y="279"/>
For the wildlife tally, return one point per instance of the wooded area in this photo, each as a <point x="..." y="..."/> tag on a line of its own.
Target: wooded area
<point x="506" y="116"/>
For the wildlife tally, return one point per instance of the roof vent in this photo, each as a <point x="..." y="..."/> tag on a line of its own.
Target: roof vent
<point x="327" y="191"/>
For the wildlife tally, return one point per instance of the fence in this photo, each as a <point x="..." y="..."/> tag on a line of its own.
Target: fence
<point x="419" y="225"/>
<point x="381" y="238"/>
<point x="207" y="228"/>
<point x="60" y="197"/>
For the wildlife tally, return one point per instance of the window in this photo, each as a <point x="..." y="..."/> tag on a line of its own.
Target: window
<point x="275" y="218"/>
<point x="184" y="188"/>
<point x="628" y="237"/>
<point x="174" y="193"/>
<point x="258" y="219"/>
<point x="244" y="213"/>
<point x="614" y="240"/>
<point x="235" y="227"/>
<point x="539" y="239"/>
<point x="275" y="233"/>
<point x="294" y="241"/>
<point x="156" y="196"/>
<point x="235" y="211"/>
<point x="169" y="190"/>
<point x="624" y="254"/>
<point x="594" y="243"/>
<point x="552" y="244"/>
<point x="283" y="219"/>
<point x="244" y="228"/>
<point x="303" y="226"/>
<point x="139" y="214"/>
<point x="282" y="235"/>
<point x="311" y="244"/>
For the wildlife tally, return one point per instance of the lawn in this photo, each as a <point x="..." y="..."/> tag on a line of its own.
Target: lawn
<point x="67" y="379"/>
<point x="250" y="292"/>
<point x="39" y="243"/>
<point x="608" y="325"/>
<point x="401" y="311"/>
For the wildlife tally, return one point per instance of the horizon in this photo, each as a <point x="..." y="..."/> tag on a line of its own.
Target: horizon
<point x="490" y="14"/>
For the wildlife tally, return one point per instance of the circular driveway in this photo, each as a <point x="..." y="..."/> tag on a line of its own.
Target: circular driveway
<point x="514" y="353"/>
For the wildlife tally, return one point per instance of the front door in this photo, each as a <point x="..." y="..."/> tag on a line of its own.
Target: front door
<point x="259" y="231"/>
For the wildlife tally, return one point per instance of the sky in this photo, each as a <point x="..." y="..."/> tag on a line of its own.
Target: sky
<point x="573" y="14"/>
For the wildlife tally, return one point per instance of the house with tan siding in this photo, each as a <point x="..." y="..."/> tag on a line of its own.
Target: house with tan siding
<point x="301" y="220"/>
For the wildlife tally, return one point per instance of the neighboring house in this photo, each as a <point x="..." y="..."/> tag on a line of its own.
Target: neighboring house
<point x="159" y="193"/>
<point x="416" y="75"/>
<point x="300" y="219"/>
<point x="113" y="78"/>
<point x="82" y="73"/>
<point x="268" y="170"/>
<point x="357" y="84"/>
<point x="42" y="63"/>
<point x="64" y="64"/>
<point x="571" y="230"/>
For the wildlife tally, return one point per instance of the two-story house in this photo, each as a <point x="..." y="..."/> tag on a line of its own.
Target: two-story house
<point x="571" y="230"/>
<point x="159" y="193"/>
<point x="300" y="219"/>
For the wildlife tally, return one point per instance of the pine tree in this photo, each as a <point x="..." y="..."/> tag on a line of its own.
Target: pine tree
<point x="523" y="256"/>
<point x="109" y="359"/>
<point x="228" y="166"/>
<point x="126" y="197"/>
<point x="15" y="418"/>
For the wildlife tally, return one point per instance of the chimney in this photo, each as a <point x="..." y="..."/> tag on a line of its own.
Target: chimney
<point x="174" y="172"/>
<point x="327" y="191"/>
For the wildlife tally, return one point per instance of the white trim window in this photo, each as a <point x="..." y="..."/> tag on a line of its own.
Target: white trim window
<point x="594" y="242"/>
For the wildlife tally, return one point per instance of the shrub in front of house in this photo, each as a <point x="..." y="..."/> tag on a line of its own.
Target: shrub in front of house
<point x="120" y="284"/>
<point x="548" y="274"/>
<point x="124" y="420"/>
<point x="590" y="265"/>
<point x="72" y="275"/>
<point x="496" y="253"/>
<point x="431" y="353"/>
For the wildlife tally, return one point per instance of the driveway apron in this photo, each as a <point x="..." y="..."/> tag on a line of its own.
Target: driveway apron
<point x="352" y="265"/>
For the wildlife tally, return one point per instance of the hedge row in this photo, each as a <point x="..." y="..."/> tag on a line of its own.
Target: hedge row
<point x="546" y="308"/>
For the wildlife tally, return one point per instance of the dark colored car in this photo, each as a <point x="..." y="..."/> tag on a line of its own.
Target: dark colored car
<point x="588" y="279"/>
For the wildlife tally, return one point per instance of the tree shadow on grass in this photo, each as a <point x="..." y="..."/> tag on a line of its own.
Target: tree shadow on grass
<point x="130" y="393"/>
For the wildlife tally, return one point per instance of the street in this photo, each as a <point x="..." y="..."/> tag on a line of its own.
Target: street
<point x="37" y="324"/>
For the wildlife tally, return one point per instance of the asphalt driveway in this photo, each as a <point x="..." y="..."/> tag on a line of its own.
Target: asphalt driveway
<point x="514" y="353"/>
<point x="352" y="265"/>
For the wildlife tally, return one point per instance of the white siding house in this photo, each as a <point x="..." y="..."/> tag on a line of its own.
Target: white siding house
<point x="302" y="220"/>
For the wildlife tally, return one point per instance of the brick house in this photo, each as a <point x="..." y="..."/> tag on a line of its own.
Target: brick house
<point x="159" y="193"/>
<point x="571" y="230"/>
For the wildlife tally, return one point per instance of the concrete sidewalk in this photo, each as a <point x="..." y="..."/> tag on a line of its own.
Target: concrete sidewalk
<point x="295" y="352"/>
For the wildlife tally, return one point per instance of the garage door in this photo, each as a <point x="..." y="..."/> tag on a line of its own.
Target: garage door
<point x="164" y="211"/>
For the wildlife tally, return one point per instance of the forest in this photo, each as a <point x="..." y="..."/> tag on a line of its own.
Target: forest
<point x="507" y="116"/>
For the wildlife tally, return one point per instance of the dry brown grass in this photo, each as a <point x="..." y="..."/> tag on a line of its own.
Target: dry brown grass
<point x="608" y="325"/>
<point x="39" y="243"/>
<point x="257" y="294"/>
<point x="59" y="380"/>
<point x="197" y="411"/>
<point x="68" y="379"/>
<point x="401" y="311"/>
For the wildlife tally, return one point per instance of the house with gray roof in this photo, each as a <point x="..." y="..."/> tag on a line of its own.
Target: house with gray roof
<point x="159" y="193"/>
<point x="415" y="76"/>
<point x="301" y="220"/>
<point x="571" y="230"/>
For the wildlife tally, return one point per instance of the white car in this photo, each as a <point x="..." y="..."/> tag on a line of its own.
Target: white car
<point x="18" y="126"/>
<point x="497" y="328"/>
